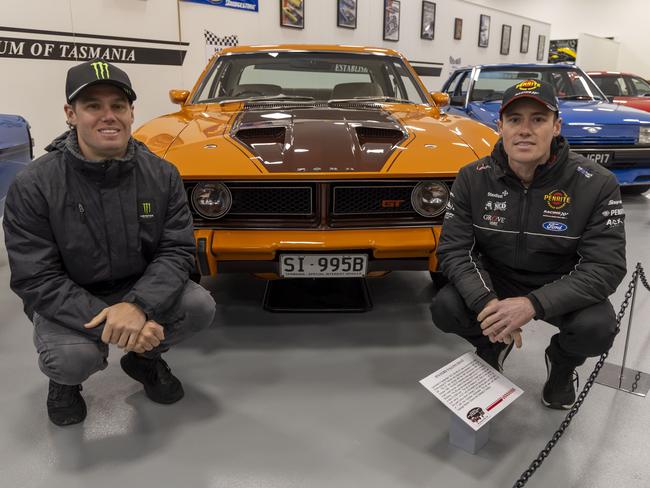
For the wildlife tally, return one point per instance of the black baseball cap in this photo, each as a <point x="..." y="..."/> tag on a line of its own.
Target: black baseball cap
<point x="540" y="91"/>
<point x="93" y="73"/>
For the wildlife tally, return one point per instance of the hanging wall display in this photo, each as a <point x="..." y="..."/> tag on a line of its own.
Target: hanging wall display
<point x="525" y="36"/>
<point x="505" y="38"/>
<point x="541" y="43"/>
<point x="458" y="28"/>
<point x="484" y="31"/>
<point x="391" y="20"/>
<point x="346" y="13"/>
<point x="292" y="13"/>
<point x="428" y="25"/>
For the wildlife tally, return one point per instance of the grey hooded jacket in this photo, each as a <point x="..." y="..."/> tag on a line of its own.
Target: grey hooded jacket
<point x="82" y="235"/>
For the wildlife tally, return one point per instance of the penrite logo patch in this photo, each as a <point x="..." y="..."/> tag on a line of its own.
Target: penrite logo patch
<point x="557" y="199"/>
<point x="145" y="210"/>
<point x="528" y="85"/>
<point x="554" y="226"/>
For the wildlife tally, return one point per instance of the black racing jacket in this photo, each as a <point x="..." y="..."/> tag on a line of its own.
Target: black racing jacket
<point x="80" y="233"/>
<point x="563" y="236"/>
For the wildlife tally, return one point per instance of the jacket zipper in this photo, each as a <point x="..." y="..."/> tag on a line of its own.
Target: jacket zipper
<point x="522" y="224"/>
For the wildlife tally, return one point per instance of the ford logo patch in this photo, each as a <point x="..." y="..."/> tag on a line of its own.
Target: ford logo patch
<point x="555" y="226"/>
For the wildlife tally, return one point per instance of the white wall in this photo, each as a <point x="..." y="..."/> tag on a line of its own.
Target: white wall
<point x="597" y="53"/>
<point x="35" y="88"/>
<point x="625" y="20"/>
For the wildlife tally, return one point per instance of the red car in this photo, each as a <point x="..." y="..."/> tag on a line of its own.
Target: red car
<point x="624" y="88"/>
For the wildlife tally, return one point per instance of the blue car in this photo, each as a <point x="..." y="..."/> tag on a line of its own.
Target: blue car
<point x="615" y="136"/>
<point x="16" y="150"/>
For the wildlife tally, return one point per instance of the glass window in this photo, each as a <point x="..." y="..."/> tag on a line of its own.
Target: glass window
<point x="612" y="86"/>
<point x="316" y="75"/>
<point x="641" y="87"/>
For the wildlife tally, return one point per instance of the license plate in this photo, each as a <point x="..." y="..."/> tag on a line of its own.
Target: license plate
<point x="323" y="265"/>
<point x="599" y="157"/>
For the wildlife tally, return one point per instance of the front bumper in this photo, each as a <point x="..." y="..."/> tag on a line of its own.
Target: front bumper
<point x="256" y="251"/>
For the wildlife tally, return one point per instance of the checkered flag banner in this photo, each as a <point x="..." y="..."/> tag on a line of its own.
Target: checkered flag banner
<point x="214" y="44"/>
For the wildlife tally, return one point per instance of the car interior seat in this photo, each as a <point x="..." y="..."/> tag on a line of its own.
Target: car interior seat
<point x="354" y="90"/>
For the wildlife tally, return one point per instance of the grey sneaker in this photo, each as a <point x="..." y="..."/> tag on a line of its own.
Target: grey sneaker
<point x="561" y="387"/>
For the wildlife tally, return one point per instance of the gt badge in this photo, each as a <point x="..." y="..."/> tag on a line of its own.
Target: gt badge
<point x="557" y="199"/>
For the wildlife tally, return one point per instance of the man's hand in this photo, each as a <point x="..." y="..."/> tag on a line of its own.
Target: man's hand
<point x="148" y="338"/>
<point x="505" y="318"/>
<point x="122" y="321"/>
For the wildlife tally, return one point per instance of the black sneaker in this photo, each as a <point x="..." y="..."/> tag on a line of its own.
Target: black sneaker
<point x="561" y="387"/>
<point x="65" y="405"/>
<point x="495" y="354"/>
<point x="160" y="384"/>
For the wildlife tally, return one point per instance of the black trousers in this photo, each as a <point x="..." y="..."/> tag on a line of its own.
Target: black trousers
<point x="583" y="333"/>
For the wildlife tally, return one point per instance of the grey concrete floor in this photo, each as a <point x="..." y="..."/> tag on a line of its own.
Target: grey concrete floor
<point x="319" y="401"/>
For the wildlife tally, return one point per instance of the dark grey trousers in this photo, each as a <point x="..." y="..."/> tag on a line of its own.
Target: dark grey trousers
<point x="69" y="356"/>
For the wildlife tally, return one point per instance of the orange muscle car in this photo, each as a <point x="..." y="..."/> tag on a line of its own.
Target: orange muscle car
<point x="315" y="161"/>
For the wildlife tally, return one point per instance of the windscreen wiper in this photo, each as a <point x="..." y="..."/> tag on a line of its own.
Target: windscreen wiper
<point x="579" y="97"/>
<point x="274" y="98"/>
<point x="370" y="99"/>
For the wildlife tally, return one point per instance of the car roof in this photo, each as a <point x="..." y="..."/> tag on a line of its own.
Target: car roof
<point x="310" y="48"/>
<point x="523" y="65"/>
<point x="612" y="73"/>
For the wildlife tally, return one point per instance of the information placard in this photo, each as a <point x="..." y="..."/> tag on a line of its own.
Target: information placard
<point x="472" y="389"/>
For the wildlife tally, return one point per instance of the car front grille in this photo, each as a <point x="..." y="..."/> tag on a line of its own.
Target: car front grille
<point x="322" y="204"/>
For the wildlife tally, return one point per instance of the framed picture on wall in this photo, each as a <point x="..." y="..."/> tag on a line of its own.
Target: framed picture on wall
<point x="391" y="20"/>
<point x="541" y="44"/>
<point x="506" y="30"/>
<point x="292" y="13"/>
<point x="525" y="36"/>
<point x="428" y="26"/>
<point x="458" y="28"/>
<point x="484" y="31"/>
<point x="346" y="13"/>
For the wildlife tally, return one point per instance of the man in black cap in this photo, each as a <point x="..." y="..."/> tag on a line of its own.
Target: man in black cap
<point x="100" y="244"/>
<point x="533" y="231"/>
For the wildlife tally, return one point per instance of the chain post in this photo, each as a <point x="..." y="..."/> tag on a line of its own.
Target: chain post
<point x="544" y="453"/>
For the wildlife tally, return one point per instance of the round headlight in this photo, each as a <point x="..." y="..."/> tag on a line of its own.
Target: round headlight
<point x="429" y="198"/>
<point x="211" y="200"/>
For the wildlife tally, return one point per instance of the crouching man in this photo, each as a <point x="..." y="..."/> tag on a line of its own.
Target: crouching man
<point x="533" y="231"/>
<point x="100" y="245"/>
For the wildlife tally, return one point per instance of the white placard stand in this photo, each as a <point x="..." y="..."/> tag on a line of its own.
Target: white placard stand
<point x="475" y="393"/>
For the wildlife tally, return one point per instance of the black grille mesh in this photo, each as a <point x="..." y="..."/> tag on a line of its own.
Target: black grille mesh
<point x="271" y="201"/>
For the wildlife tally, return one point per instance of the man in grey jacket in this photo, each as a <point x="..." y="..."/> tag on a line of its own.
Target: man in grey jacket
<point x="100" y="244"/>
<point x="533" y="231"/>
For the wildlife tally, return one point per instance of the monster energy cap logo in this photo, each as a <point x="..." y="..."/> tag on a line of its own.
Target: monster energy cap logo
<point x="145" y="208"/>
<point x="101" y="70"/>
<point x="94" y="72"/>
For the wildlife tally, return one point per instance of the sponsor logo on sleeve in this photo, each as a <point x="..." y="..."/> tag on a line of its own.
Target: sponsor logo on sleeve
<point x="614" y="222"/>
<point x="555" y="226"/>
<point x="614" y="202"/>
<point x="482" y="167"/>
<point x="584" y="172"/>
<point x="557" y="199"/>
<point x="613" y="212"/>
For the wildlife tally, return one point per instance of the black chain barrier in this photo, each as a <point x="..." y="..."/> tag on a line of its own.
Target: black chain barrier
<point x="525" y="476"/>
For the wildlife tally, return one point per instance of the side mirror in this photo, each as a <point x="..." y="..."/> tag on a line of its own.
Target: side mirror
<point x="441" y="99"/>
<point x="178" y="96"/>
